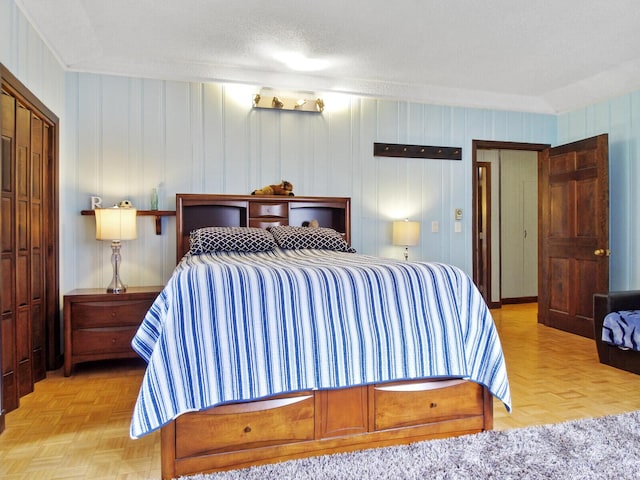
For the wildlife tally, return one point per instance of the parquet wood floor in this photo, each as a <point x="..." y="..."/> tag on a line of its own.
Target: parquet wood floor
<point x="77" y="427"/>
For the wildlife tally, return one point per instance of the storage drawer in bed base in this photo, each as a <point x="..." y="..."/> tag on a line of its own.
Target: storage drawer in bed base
<point x="321" y="422"/>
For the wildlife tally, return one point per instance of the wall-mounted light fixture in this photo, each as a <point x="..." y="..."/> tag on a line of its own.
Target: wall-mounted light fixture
<point x="273" y="101"/>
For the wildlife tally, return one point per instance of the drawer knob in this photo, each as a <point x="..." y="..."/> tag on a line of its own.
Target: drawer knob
<point x="434" y="404"/>
<point x="247" y="429"/>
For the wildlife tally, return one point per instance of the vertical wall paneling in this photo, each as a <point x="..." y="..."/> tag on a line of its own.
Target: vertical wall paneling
<point x="340" y="155"/>
<point x="367" y="177"/>
<point x="622" y="184"/>
<point x="192" y="137"/>
<point x="92" y="255"/>
<point x="213" y="142"/>
<point x="235" y="150"/>
<point x="196" y="123"/>
<point x="180" y="161"/>
<point x="265" y="128"/>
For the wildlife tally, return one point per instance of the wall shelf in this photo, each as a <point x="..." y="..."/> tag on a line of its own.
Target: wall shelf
<point x="158" y="214"/>
<point x="416" y="151"/>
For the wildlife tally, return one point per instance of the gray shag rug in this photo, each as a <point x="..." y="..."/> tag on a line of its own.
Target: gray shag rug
<point x="594" y="448"/>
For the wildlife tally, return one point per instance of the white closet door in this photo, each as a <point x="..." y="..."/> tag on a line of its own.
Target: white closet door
<point x="518" y="230"/>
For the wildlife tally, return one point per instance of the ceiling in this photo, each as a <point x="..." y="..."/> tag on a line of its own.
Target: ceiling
<point x="546" y="56"/>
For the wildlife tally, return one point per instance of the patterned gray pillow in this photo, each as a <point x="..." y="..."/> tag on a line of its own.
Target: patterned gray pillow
<point x="319" y="238"/>
<point x="230" y="239"/>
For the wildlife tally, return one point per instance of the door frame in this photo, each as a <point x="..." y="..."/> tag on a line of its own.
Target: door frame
<point x="52" y="242"/>
<point x="489" y="145"/>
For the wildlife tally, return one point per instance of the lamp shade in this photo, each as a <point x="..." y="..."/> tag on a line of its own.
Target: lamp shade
<point x="116" y="223"/>
<point x="406" y="233"/>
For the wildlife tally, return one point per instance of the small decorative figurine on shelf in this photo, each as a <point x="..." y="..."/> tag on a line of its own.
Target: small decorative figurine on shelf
<point x="283" y="188"/>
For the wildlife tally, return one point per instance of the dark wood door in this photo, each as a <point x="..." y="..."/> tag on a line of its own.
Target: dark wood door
<point x="21" y="307"/>
<point x="10" y="393"/>
<point x="29" y="293"/>
<point x="573" y="212"/>
<point x="482" y="258"/>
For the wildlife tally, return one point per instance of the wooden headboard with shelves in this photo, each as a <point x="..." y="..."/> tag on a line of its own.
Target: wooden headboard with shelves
<point x="197" y="210"/>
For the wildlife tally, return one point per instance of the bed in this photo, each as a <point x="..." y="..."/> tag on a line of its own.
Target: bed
<point x="261" y="348"/>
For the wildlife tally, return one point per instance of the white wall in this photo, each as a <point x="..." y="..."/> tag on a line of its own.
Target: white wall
<point x="28" y="58"/>
<point x="134" y="134"/>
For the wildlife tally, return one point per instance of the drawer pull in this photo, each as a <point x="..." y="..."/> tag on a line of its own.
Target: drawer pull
<point x="434" y="404"/>
<point x="247" y="429"/>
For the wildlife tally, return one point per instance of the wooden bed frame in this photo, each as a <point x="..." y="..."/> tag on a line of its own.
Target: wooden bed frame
<point x="317" y="422"/>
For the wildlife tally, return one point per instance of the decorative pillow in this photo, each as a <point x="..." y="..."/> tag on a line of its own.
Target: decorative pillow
<point x="230" y="239"/>
<point x="319" y="238"/>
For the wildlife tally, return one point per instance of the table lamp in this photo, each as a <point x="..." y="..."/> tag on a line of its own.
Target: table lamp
<point x="116" y="224"/>
<point x="406" y="233"/>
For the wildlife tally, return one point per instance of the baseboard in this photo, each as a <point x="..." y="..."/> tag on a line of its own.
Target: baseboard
<point x="1" y="421"/>
<point x="513" y="301"/>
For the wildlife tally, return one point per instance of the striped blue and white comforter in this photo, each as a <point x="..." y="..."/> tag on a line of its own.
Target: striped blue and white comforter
<point x="239" y="326"/>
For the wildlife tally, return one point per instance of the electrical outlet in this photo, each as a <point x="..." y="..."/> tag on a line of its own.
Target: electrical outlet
<point x="435" y="227"/>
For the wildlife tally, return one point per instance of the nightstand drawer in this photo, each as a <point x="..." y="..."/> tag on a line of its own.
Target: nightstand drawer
<point x="108" y="314"/>
<point x="100" y="341"/>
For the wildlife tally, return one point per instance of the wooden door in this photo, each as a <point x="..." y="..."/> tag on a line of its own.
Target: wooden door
<point x="36" y="253"/>
<point x="482" y="264"/>
<point x="29" y="293"/>
<point x="573" y="213"/>
<point x="22" y="273"/>
<point x="10" y="394"/>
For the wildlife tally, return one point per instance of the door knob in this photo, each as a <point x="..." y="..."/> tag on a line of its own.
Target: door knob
<point x="601" y="252"/>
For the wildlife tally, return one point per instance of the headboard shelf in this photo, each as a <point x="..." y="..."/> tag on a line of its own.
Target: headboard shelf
<point x="196" y="210"/>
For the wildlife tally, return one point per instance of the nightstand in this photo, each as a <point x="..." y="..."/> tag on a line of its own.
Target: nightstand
<point x="100" y="325"/>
